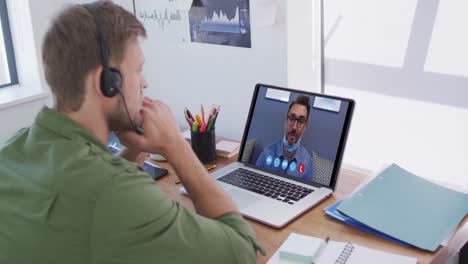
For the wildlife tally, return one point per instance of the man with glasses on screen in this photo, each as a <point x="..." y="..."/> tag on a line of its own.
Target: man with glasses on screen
<point x="288" y="155"/>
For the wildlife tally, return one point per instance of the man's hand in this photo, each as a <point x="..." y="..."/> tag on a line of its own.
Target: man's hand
<point x="162" y="136"/>
<point x="161" y="130"/>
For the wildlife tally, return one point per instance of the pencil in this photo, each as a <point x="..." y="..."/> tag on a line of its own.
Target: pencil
<point x="213" y="166"/>
<point x="202" y="113"/>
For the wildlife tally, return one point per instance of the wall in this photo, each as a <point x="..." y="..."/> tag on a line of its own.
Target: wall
<point x="303" y="30"/>
<point x="190" y="74"/>
<point x="405" y="65"/>
<point x="19" y="116"/>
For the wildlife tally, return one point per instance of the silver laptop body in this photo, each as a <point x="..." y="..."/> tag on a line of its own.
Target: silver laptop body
<point x="285" y="197"/>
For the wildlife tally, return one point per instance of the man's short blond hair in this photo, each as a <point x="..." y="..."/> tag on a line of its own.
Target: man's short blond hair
<point x="71" y="48"/>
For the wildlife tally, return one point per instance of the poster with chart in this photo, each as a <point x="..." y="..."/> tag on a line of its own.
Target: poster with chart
<point x="165" y="20"/>
<point x="221" y="22"/>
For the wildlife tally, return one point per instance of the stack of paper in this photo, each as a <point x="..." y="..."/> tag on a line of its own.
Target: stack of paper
<point x="227" y="149"/>
<point x="407" y="207"/>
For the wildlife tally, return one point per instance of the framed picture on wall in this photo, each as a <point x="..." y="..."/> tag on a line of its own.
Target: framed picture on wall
<point x="220" y="22"/>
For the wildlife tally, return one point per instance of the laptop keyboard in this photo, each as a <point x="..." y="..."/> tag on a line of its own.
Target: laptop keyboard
<point x="267" y="186"/>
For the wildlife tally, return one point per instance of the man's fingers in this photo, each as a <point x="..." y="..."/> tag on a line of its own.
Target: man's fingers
<point x="148" y="115"/>
<point x="149" y="104"/>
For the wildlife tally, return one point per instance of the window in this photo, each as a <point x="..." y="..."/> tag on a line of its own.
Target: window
<point x="8" y="74"/>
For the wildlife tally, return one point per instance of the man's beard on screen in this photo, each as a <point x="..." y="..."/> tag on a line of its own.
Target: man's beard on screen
<point x="293" y="133"/>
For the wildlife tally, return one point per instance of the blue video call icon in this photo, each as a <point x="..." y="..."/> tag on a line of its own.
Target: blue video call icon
<point x="269" y="160"/>
<point x="293" y="166"/>
<point x="277" y="162"/>
<point x="284" y="163"/>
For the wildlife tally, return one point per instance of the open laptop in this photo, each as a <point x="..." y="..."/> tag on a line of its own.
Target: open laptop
<point x="290" y="157"/>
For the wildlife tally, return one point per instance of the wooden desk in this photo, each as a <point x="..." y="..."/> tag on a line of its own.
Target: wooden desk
<point x="313" y="222"/>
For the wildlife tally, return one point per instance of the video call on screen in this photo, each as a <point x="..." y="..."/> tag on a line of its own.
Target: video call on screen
<point x="294" y="142"/>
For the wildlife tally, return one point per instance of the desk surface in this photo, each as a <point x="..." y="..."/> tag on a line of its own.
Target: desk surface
<point x="313" y="222"/>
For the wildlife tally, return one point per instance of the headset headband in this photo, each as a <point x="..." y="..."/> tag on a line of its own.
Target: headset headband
<point x="102" y="43"/>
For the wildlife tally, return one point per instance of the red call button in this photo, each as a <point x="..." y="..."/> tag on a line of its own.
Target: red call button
<point x="301" y="168"/>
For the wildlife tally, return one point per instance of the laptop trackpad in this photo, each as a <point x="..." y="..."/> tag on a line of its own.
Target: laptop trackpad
<point x="242" y="199"/>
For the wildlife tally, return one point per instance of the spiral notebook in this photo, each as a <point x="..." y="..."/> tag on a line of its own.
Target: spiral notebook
<point x="347" y="253"/>
<point x="333" y="252"/>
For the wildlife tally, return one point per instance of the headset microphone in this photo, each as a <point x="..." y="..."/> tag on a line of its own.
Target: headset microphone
<point x="136" y="128"/>
<point x="111" y="78"/>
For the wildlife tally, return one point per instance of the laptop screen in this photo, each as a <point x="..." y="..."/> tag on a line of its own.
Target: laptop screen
<point x="296" y="134"/>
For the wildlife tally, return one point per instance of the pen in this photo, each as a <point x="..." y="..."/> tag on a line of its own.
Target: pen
<point x="320" y="250"/>
<point x="210" y="124"/>
<point x="215" y="117"/>
<point x="195" y="126"/>
<point x="203" y="127"/>
<point x="202" y="113"/>
<point x="188" y="113"/>
<point x="187" y="119"/>
<point x="197" y="117"/>
<point x="213" y="109"/>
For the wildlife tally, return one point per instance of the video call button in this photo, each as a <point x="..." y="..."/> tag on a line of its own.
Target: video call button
<point x="269" y="160"/>
<point x="284" y="164"/>
<point x="277" y="162"/>
<point x="301" y="168"/>
<point x="293" y="166"/>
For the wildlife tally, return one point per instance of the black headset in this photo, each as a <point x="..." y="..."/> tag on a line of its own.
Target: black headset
<point x="111" y="78"/>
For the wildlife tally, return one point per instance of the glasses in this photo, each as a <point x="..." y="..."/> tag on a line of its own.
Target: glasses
<point x="300" y="121"/>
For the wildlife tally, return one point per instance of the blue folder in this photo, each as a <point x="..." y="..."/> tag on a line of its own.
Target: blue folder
<point x="333" y="213"/>
<point x="407" y="207"/>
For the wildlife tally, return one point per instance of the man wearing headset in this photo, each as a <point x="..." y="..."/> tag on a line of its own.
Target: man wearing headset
<point x="64" y="198"/>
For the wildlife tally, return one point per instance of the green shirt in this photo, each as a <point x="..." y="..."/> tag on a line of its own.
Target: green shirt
<point x="64" y="198"/>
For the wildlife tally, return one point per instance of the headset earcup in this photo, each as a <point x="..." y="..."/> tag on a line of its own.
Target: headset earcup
<point x="115" y="79"/>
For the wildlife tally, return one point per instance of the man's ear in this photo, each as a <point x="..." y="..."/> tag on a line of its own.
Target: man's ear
<point x="93" y="80"/>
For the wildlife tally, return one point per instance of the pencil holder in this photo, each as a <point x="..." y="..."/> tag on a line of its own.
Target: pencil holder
<point x="204" y="145"/>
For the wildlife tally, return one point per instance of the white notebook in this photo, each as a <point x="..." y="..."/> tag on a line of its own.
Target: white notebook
<point x="339" y="253"/>
<point x="347" y="253"/>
